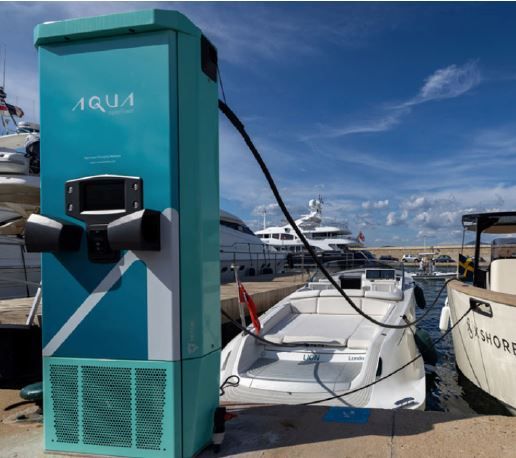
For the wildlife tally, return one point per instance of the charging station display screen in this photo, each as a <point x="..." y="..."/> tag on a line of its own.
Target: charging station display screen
<point x="103" y="195"/>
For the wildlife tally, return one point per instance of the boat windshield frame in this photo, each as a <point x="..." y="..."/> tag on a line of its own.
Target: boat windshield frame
<point x="350" y="265"/>
<point x="489" y="223"/>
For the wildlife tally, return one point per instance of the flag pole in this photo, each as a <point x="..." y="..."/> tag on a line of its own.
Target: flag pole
<point x="239" y="297"/>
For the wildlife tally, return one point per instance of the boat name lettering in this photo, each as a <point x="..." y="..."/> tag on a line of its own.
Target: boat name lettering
<point x="491" y="339"/>
<point x="356" y="358"/>
<point x="312" y="357"/>
<point x="107" y="103"/>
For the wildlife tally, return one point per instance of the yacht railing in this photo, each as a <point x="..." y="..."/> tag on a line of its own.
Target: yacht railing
<point x="12" y="268"/>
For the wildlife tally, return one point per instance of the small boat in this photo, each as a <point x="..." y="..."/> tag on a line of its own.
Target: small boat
<point x="485" y="340"/>
<point x="329" y="349"/>
<point x="433" y="275"/>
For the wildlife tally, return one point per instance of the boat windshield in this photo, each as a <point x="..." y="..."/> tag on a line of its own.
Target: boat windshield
<point x="334" y="267"/>
<point x="503" y="248"/>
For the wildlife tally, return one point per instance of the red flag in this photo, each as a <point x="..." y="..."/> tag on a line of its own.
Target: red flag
<point x="3" y="108"/>
<point x="361" y="236"/>
<point x="251" y="307"/>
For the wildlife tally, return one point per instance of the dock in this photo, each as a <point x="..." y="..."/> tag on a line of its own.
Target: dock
<point x="310" y="431"/>
<point x="264" y="293"/>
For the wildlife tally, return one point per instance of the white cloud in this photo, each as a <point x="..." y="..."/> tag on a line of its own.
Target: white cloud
<point x="415" y="203"/>
<point x="449" y="82"/>
<point x="375" y="204"/>
<point x="444" y="83"/>
<point x="384" y="122"/>
<point x="395" y="219"/>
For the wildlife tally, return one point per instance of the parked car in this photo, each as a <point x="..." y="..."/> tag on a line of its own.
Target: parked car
<point x="444" y="258"/>
<point x="387" y="257"/>
<point x="410" y="258"/>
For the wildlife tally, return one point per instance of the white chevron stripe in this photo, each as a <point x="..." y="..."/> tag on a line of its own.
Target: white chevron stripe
<point x="89" y="304"/>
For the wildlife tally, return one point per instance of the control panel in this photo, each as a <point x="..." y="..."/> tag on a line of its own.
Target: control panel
<point x="112" y="208"/>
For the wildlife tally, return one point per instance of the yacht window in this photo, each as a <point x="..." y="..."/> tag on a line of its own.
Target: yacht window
<point x="276" y="236"/>
<point x="236" y="227"/>
<point x="287" y="237"/>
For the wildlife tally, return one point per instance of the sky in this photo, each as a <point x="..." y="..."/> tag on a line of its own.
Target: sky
<point x="402" y="117"/>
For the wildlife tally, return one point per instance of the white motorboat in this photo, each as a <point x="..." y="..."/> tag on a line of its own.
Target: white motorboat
<point x="321" y="238"/>
<point x="240" y="247"/>
<point x="485" y="340"/>
<point x="19" y="169"/>
<point x="435" y="275"/>
<point x="328" y="349"/>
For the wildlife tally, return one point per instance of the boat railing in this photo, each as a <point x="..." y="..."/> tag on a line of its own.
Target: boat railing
<point x="260" y="256"/>
<point x="9" y="267"/>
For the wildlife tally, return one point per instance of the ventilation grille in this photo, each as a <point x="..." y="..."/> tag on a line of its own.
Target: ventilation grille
<point x="64" y="395"/>
<point x="150" y="399"/>
<point x="108" y="406"/>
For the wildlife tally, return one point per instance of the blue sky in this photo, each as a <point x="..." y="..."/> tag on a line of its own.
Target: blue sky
<point x="402" y="116"/>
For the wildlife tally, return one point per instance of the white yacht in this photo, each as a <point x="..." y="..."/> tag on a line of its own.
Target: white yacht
<point x="239" y="246"/>
<point x="19" y="198"/>
<point x="485" y="340"/>
<point x="322" y="238"/>
<point x="326" y="348"/>
<point x="19" y="169"/>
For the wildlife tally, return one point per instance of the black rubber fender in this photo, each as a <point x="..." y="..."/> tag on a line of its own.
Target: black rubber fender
<point x="425" y="347"/>
<point x="420" y="297"/>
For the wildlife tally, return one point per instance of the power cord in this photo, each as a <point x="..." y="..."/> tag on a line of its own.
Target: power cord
<point x="235" y="121"/>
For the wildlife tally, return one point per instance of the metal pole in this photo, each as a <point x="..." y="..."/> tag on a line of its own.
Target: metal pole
<point x="34" y="308"/>
<point x="476" y="280"/>
<point x="240" y="305"/>
<point x="25" y="271"/>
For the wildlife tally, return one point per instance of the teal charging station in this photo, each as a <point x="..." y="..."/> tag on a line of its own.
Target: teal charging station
<point x="129" y="231"/>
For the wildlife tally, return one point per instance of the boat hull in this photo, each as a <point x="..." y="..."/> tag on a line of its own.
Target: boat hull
<point x="485" y="340"/>
<point x="334" y="355"/>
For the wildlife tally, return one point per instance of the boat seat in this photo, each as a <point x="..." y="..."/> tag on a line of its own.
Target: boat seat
<point x="305" y="294"/>
<point x="376" y="308"/>
<point x="331" y="330"/>
<point x="364" y="335"/>
<point x="395" y="295"/>
<point x="331" y="341"/>
<point x="502" y="275"/>
<point x="335" y="293"/>
<point x="304" y="302"/>
<point x="332" y="303"/>
<point x="274" y="338"/>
